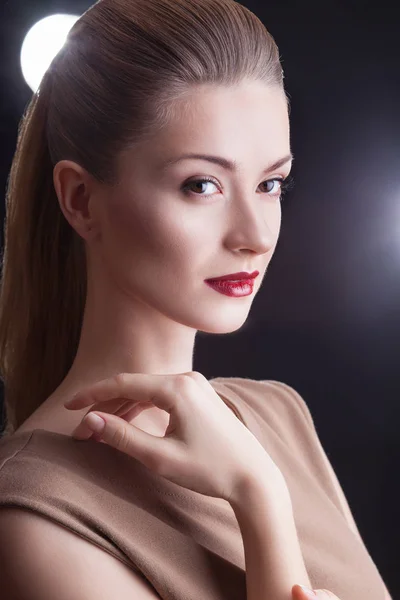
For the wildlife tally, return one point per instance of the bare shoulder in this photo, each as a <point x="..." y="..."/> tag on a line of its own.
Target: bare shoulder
<point x="41" y="559"/>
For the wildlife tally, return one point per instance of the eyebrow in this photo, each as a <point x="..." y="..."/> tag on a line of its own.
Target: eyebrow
<point x="230" y="165"/>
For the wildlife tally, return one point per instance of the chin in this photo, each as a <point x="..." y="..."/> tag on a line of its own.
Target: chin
<point x="210" y="318"/>
<point x="227" y="324"/>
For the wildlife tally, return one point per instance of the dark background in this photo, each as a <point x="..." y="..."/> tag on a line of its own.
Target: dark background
<point x="327" y="320"/>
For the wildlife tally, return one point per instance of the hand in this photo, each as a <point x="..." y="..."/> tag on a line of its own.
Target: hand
<point x="206" y="448"/>
<point x="299" y="594"/>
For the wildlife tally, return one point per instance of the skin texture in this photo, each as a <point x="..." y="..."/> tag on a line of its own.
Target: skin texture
<point x="150" y="246"/>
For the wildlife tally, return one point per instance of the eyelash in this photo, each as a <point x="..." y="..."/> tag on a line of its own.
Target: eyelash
<point x="286" y="185"/>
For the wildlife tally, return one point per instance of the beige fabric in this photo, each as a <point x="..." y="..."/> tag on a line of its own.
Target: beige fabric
<point x="189" y="546"/>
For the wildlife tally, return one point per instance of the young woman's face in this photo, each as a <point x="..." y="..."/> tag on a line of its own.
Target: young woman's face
<point x="163" y="232"/>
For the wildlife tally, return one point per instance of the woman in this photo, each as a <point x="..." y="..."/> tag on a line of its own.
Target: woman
<point x="114" y="254"/>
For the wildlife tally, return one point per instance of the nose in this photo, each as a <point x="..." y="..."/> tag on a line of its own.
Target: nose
<point x="254" y="226"/>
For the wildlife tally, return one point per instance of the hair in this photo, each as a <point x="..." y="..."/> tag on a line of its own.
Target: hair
<point x="117" y="80"/>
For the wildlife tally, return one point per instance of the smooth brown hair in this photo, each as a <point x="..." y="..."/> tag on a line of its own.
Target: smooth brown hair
<point x="116" y="81"/>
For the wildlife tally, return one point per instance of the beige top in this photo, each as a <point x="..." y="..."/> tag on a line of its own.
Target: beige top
<point x="187" y="545"/>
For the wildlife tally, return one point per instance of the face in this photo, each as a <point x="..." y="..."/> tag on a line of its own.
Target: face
<point x="164" y="232"/>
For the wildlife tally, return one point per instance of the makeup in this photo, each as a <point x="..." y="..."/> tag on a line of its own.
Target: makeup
<point x="238" y="288"/>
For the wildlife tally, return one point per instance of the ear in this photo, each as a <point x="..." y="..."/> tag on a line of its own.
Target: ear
<point x="76" y="189"/>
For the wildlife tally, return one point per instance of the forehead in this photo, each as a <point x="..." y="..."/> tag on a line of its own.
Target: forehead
<point x="249" y="106"/>
<point x="248" y="123"/>
<point x="249" y="100"/>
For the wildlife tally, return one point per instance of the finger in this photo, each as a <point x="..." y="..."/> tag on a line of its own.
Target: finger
<point x="126" y="412"/>
<point x="199" y="379"/>
<point x="118" y="408"/>
<point x="135" y="442"/>
<point x="122" y="409"/>
<point x="83" y="431"/>
<point x="300" y="593"/>
<point x="136" y="410"/>
<point x="113" y="405"/>
<point x="139" y="387"/>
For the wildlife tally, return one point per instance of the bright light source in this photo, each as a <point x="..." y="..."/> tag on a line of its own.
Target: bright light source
<point x="41" y="44"/>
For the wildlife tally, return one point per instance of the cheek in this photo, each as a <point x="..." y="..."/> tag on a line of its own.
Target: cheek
<point x="142" y="240"/>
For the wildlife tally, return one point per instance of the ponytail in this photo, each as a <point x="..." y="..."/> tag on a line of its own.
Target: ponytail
<point x="42" y="288"/>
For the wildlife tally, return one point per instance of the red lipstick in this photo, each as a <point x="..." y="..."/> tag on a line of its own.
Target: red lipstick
<point x="236" y="284"/>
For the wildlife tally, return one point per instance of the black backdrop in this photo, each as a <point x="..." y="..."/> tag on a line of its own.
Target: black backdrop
<point x="327" y="320"/>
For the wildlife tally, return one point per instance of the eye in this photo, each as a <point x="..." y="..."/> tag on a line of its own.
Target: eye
<point x="276" y="186"/>
<point x="198" y="182"/>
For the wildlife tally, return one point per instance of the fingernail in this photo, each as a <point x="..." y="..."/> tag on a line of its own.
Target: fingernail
<point x="94" y="422"/>
<point x="308" y="592"/>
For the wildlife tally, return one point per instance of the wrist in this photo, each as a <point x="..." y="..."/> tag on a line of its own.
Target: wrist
<point x="273" y="557"/>
<point x="267" y="485"/>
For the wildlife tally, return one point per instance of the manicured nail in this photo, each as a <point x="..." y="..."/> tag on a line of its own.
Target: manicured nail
<point x="95" y="423"/>
<point x="308" y="592"/>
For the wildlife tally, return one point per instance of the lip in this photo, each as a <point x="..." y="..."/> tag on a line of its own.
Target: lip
<point x="236" y="289"/>
<point x="235" y="277"/>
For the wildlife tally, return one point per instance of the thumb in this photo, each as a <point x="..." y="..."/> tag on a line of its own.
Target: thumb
<point x="125" y="437"/>
<point x="300" y="592"/>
